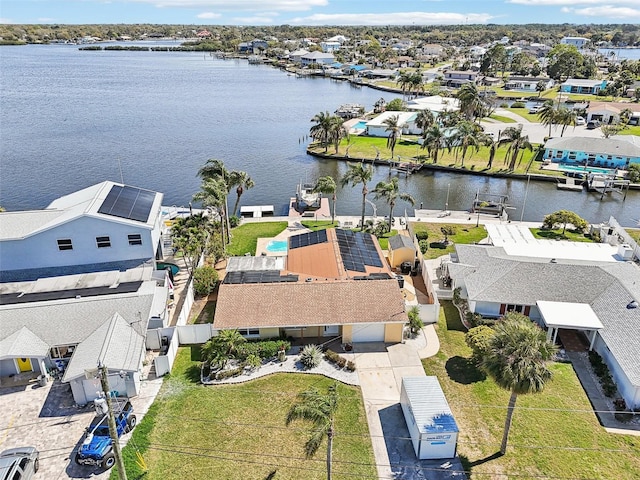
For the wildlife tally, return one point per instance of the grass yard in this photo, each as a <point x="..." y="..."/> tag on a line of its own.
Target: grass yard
<point x="502" y="119"/>
<point x="554" y="433"/>
<point x="384" y="240"/>
<point x="524" y="113"/>
<point x="464" y="234"/>
<point x="557" y="234"/>
<point x="315" y="225"/>
<point x="238" y="431"/>
<point x="630" y="130"/>
<point x="245" y="237"/>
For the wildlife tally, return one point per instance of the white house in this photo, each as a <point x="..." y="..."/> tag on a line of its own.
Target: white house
<point x="527" y="84"/>
<point x="319" y="58"/>
<point x="329" y="47"/>
<point x="434" y="103"/>
<point x="377" y="128"/>
<point x="575" y="41"/>
<point x="102" y="227"/>
<point x="70" y="323"/>
<point x="593" y="285"/>
<point x="296" y="55"/>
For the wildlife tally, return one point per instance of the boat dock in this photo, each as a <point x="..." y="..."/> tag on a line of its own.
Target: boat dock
<point x="257" y="211"/>
<point x="605" y="184"/>
<point x="570" y="184"/>
<point x="406" y="167"/>
<point x="320" y="213"/>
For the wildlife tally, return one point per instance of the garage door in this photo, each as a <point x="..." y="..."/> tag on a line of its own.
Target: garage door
<point x="368" y="332"/>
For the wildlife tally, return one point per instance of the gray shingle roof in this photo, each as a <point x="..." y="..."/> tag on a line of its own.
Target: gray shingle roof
<point x="400" y="241"/>
<point x="23" y="343"/>
<point x="619" y="146"/>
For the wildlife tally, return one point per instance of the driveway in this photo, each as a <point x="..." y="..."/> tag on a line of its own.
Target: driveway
<point x="380" y="370"/>
<point x="537" y="132"/>
<point x="47" y="418"/>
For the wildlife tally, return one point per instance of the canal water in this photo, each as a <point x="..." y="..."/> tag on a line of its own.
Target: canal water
<point x="73" y="118"/>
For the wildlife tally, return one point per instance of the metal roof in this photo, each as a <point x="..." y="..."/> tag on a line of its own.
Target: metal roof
<point x="429" y="405"/>
<point x="569" y="315"/>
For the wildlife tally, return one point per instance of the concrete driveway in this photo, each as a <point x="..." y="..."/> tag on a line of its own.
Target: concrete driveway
<point x="537" y="132"/>
<point x="47" y="418"/>
<point x="380" y="371"/>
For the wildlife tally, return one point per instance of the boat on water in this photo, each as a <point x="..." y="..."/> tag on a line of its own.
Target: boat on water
<point x="306" y="198"/>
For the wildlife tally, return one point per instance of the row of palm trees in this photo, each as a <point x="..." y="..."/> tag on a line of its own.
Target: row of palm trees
<point x="328" y="130"/>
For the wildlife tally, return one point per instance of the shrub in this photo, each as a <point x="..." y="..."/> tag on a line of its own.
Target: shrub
<point x="234" y="221"/>
<point x="422" y="235"/>
<point x="351" y="366"/>
<point x="517" y="105"/>
<point x="311" y="356"/>
<point x="253" y="361"/>
<point x="262" y="348"/>
<point x="424" y="246"/>
<point x="504" y="105"/>
<point x="474" y="319"/>
<point x="478" y="339"/>
<point x="205" y="280"/>
<point x="232" y="372"/>
<point x="415" y="323"/>
<point x="341" y="362"/>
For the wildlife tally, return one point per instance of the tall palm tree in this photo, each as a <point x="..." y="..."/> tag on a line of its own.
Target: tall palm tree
<point x="215" y="169"/>
<point x="467" y="135"/>
<point x="404" y="82"/>
<point x="517" y="361"/>
<point x="318" y="409"/>
<point x="548" y="114"/>
<point x="337" y="131"/>
<point x="471" y="103"/>
<point x="213" y="194"/>
<point x="566" y="117"/>
<point x="417" y="82"/>
<point x="394" y="127"/>
<point x="424" y="119"/>
<point x="516" y="141"/>
<point x="327" y="185"/>
<point x="433" y="141"/>
<point x="321" y="131"/>
<point x="359" y="173"/>
<point x="541" y="86"/>
<point x="391" y="192"/>
<point x="242" y="181"/>
<point x="493" y="145"/>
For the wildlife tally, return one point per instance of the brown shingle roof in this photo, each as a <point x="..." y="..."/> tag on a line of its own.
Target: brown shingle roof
<point x="309" y="303"/>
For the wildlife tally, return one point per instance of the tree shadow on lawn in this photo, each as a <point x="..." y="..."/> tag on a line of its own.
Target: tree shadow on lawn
<point x="452" y="317"/>
<point x="192" y="374"/>
<point x="468" y="465"/>
<point x="463" y="370"/>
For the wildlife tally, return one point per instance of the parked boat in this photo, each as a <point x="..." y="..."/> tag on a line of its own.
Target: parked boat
<point x="306" y="198"/>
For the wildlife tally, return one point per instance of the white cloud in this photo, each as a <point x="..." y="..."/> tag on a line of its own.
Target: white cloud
<point x="240" y="5"/>
<point x="605" y="11"/>
<point x="209" y="15"/>
<point x="255" y="20"/>
<point x="400" y="18"/>
<point x="548" y="3"/>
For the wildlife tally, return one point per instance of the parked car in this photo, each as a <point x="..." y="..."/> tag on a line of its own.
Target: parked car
<point x="97" y="447"/>
<point x="19" y="463"/>
<point x="593" y="124"/>
<point x="580" y="121"/>
<point x="535" y="109"/>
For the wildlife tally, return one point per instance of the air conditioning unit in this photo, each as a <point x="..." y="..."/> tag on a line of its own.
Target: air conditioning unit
<point x="625" y="252"/>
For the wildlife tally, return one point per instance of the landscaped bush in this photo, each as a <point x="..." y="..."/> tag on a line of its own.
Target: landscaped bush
<point x="422" y="235"/>
<point x="262" y="348"/>
<point x="602" y="371"/>
<point x="205" y="280"/>
<point x="232" y="372"/>
<point x="351" y="366"/>
<point x="311" y="356"/>
<point x="339" y="360"/>
<point x="234" y="221"/>
<point x="517" y="105"/>
<point x="474" y="319"/>
<point x="424" y="246"/>
<point x="415" y="323"/>
<point x="504" y="105"/>
<point x="478" y="339"/>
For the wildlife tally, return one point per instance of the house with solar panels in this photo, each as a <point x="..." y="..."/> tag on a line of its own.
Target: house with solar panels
<point x="329" y="284"/>
<point x="103" y="227"/>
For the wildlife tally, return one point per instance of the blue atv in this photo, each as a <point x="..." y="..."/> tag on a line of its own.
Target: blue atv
<point x="97" y="448"/>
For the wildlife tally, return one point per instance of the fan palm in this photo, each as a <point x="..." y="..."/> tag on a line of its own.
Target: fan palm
<point x="318" y="409"/>
<point x="242" y="181"/>
<point x="467" y="135"/>
<point x="391" y="192"/>
<point x="222" y="347"/>
<point x="517" y="361"/>
<point x="566" y="117"/>
<point x="471" y="103"/>
<point x="321" y="131"/>
<point x="358" y="173"/>
<point x="548" y="114"/>
<point x="327" y="185"/>
<point x="394" y="127"/>
<point x="213" y="194"/>
<point x="433" y="140"/>
<point x="516" y="141"/>
<point x="424" y="119"/>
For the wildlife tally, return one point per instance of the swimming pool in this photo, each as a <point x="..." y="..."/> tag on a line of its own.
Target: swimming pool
<point x="582" y="169"/>
<point x="277" y="246"/>
<point x="361" y="125"/>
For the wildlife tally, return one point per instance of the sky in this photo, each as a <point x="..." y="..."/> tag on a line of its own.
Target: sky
<point x="319" y="12"/>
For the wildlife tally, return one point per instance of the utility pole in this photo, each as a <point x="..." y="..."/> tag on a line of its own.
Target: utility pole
<point x="113" y="432"/>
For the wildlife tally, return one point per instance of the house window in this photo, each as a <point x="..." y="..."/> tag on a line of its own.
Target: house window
<point x="65" y="244"/>
<point x="515" y="308"/>
<point x="103" y="242"/>
<point x="61" y="352"/>
<point x="249" y="332"/>
<point x="135" y="239"/>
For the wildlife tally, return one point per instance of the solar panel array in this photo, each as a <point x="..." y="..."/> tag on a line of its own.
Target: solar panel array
<point x="306" y="239"/>
<point x="128" y="202"/>
<point x="374" y="276"/>
<point x="357" y="250"/>
<point x="258" y="276"/>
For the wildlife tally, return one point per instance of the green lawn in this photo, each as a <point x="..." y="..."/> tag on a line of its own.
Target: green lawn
<point x="465" y="234"/>
<point x="238" y="431"/>
<point x="558" y="235"/>
<point x="244" y="238"/>
<point x="502" y="119"/>
<point x="384" y="240"/>
<point x="631" y="130"/>
<point x="554" y="433"/>
<point x="315" y="225"/>
<point x="634" y="232"/>
<point x="524" y="113"/>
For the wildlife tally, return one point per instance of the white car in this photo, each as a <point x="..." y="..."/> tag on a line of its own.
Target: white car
<point x="535" y="109"/>
<point x="580" y="121"/>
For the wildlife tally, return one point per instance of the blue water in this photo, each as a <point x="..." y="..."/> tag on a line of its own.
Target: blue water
<point x="622" y="53"/>
<point x="163" y="266"/>
<point x="360" y="125"/>
<point x="74" y="118"/>
<point x="581" y="169"/>
<point x="277" y="246"/>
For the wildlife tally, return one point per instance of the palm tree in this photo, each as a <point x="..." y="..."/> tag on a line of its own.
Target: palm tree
<point x="513" y="136"/>
<point x="327" y="185"/>
<point x="320" y="410"/>
<point x="566" y="117"/>
<point x="467" y="135"/>
<point x="359" y="173"/>
<point x="395" y="131"/>
<point x="215" y="169"/>
<point x="541" y="86"/>
<point x="433" y="140"/>
<point x="337" y="131"/>
<point x="222" y="347"/>
<point x="391" y="192"/>
<point x="470" y="100"/>
<point x="404" y="82"/>
<point x="321" y="131"/>
<point x="493" y="145"/>
<point x="417" y="82"/>
<point x="517" y="361"/>
<point x="242" y="181"/>
<point x="213" y="194"/>
<point x="548" y="114"/>
<point x="424" y="119"/>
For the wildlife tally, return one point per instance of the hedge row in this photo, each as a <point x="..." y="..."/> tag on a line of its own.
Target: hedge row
<point x="340" y="361"/>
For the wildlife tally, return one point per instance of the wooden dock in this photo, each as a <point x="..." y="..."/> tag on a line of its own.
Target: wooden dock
<point x="571" y="185"/>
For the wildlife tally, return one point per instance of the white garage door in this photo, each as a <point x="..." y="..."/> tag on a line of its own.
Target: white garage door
<point x="368" y="332"/>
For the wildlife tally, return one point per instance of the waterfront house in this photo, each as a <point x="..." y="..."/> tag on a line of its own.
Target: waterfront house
<point x="296" y="56"/>
<point x="578" y="42"/>
<point x="377" y="128"/>
<point x="457" y="78"/>
<point x="527" y="84"/>
<point x="330" y="47"/>
<point x="568" y="288"/>
<point x="331" y="283"/>
<point x="103" y="227"/>
<point x="434" y="103"/>
<point x="613" y="152"/>
<point x="317" y="58"/>
<point x="583" y="86"/>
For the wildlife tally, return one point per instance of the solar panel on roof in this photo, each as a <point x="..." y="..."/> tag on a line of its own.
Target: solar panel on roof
<point x="306" y="239"/>
<point x="357" y="250"/>
<point x="128" y="202"/>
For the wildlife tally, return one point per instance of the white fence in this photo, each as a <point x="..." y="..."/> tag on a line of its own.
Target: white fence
<point x="624" y="237"/>
<point x="163" y="363"/>
<point x="189" y="297"/>
<point x="195" y="334"/>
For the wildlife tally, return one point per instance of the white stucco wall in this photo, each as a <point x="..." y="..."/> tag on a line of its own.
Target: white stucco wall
<point x="41" y="250"/>
<point x="629" y="391"/>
